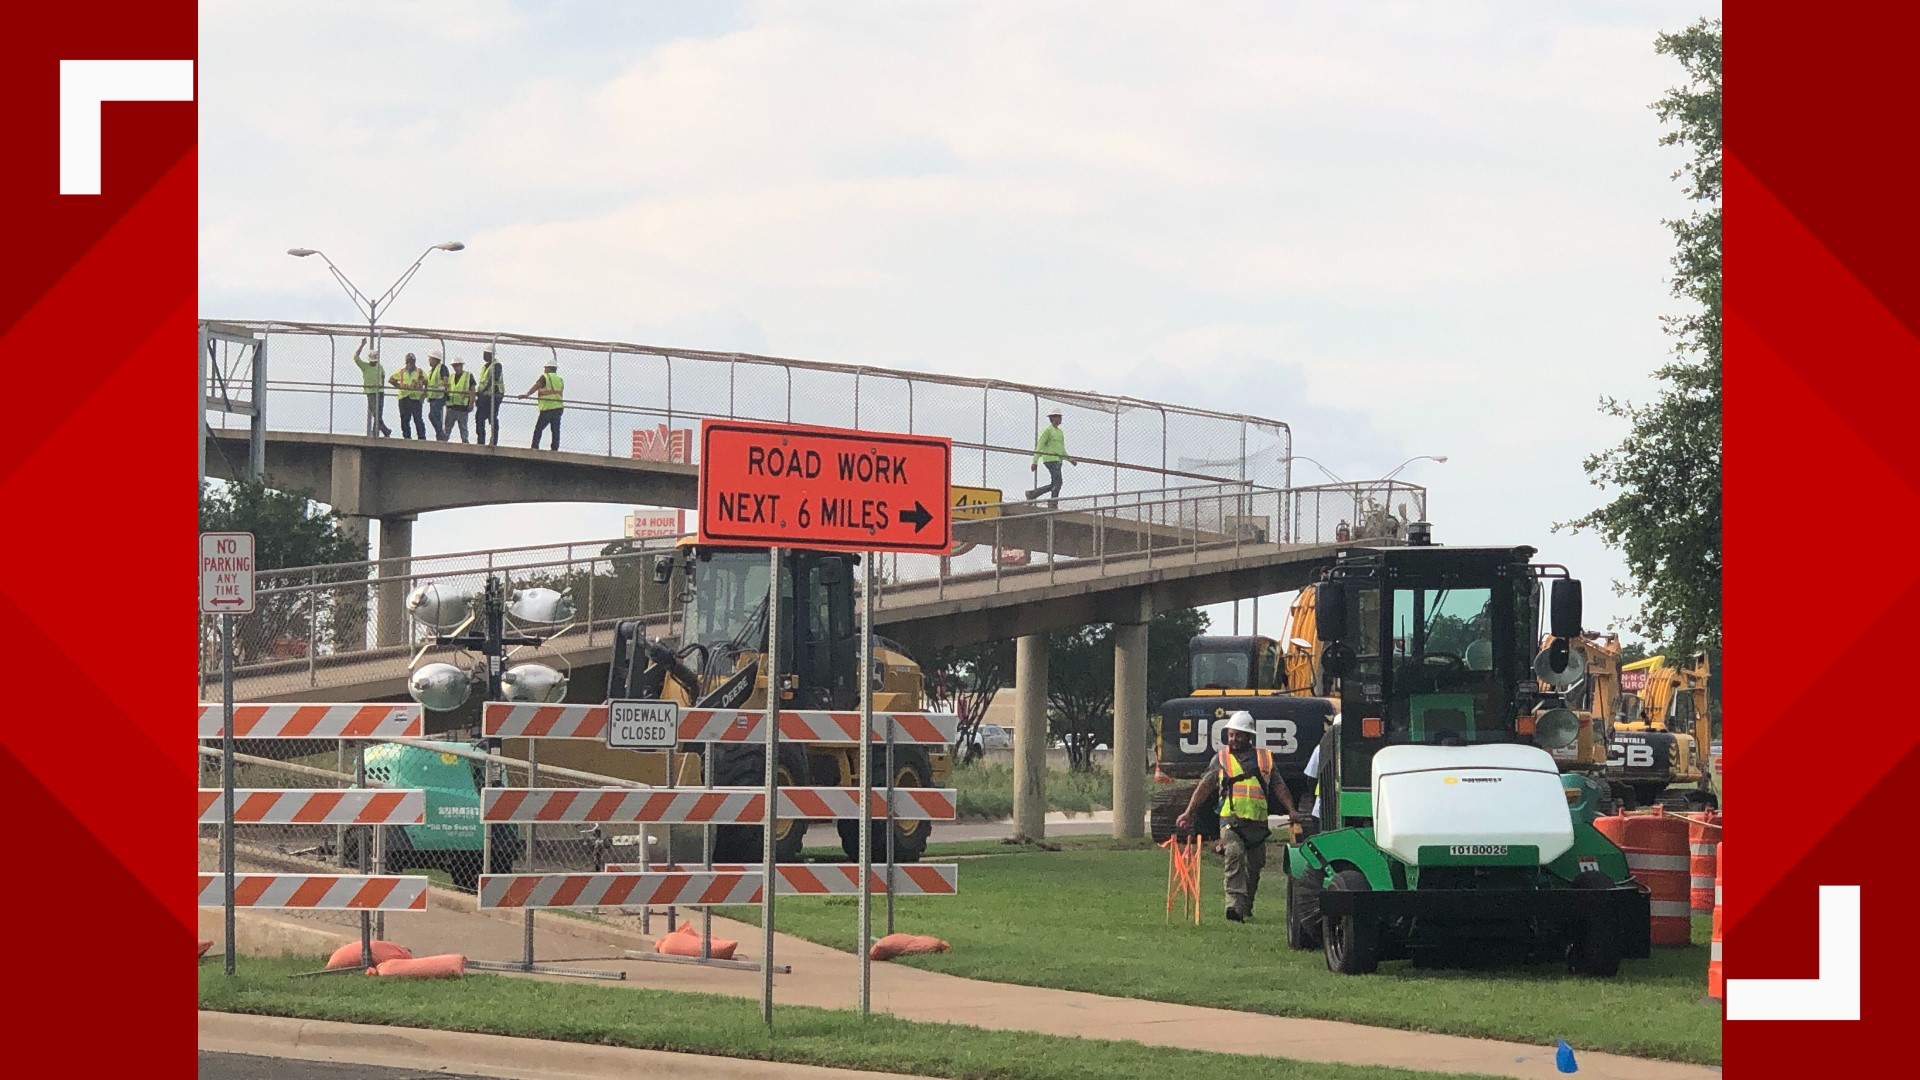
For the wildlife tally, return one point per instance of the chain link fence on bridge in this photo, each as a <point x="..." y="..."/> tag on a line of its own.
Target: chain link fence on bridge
<point x="627" y="401"/>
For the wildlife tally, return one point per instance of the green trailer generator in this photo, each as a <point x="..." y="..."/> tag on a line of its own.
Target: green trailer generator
<point x="1446" y="833"/>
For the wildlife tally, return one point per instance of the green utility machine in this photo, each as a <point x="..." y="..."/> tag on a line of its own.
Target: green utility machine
<point x="1446" y="832"/>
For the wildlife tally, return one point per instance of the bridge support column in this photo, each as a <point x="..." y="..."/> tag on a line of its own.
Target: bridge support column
<point x="1030" y="737"/>
<point x="396" y="561"/>
<point x="1129" y="730"/>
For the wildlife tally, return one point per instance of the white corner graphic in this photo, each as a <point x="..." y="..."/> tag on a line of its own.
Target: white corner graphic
<point x="1835" y="995"/>
<point x="84" y="84"/>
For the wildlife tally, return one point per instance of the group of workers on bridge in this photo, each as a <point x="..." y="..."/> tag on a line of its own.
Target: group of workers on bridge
<point x="445" y="395"/>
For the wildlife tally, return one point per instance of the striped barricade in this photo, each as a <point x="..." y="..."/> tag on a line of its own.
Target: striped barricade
<point x="512" y="720"/>
<point x="330" y="892"/>
<point x="735" y="883"/>
<point x="343" y="721"/>
<point x="705" y="806"/>
<point x="618" y="890"/>
<point x="310" y="806"/>
<point x="841" y="879"/>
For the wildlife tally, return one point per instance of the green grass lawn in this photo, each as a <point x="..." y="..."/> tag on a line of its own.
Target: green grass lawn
<point x="723" y="1026"/>
<point x="986" y="791"/>
<point x="1094" y="920"/>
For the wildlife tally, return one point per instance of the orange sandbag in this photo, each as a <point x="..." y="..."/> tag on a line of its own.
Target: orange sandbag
<point x="686" y="942"/>
<point x="204" y="946"/>
<point x="445" y="966"/>
<point x="348" y="955"/>
<point x="906" y="944"/>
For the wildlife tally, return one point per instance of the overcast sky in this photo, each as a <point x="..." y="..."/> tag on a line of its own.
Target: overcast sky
<point x="1402" y="228"/>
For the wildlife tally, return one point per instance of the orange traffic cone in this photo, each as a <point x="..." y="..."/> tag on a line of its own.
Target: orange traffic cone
<point x="1716" y="982"/>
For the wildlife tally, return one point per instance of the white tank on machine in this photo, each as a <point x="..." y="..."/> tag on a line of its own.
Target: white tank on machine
<point x="1492" y="796"/>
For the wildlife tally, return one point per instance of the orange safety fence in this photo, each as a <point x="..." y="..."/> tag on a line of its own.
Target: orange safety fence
<point x="1183" y="876"/>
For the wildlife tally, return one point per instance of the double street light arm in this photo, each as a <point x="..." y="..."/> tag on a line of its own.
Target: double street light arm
<point x="372" y="309"/>
<point x="1441" y="458"/>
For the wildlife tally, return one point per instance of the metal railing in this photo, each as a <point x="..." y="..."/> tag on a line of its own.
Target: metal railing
<point x="313" y="624"/>
<point x="627" y="400"/>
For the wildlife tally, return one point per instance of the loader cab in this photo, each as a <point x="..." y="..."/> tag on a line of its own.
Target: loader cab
<point x="1226" y="665"/>
<point x="1435" y="645"/>
<point x="726" y="616"/>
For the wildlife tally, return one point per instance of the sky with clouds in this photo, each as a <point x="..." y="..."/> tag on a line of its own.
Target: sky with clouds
<point x="1403" y="228"/>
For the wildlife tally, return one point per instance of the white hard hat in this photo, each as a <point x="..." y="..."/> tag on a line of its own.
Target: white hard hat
<point x="1242" y="721"/>
<point x="374" y="353"/>
<point x="434" y="353"/>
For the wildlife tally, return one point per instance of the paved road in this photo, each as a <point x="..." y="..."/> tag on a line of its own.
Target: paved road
<point x="255" y="1067"/>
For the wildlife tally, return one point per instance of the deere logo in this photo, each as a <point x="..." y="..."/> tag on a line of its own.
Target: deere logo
<point x="1449" y="779"/>
<point x="447" y="759"/>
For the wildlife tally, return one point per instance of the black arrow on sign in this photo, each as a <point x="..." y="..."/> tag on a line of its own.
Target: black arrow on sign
<point x="918" y="515"/>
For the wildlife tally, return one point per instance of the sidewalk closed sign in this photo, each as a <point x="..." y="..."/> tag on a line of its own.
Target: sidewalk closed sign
<point x="642" y="725"/>
<point x="226" y="573"/>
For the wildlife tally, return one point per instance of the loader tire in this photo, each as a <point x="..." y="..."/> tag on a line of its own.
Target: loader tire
<point x="1351" y="943"/>
<point x="746" y="766"/>
<point x="1595" y="945"/>
<point x="912" y="768"/>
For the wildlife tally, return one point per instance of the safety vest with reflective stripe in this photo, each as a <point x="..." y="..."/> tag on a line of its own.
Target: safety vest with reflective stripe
<point x="437" y="383"/>
<point x="460" y="391"/>
<point x="1244" y="795"/>
<point x="550" y="387"/>
<point x="410" y="381"/>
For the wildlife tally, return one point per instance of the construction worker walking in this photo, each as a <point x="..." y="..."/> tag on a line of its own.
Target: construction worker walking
<point x="373" y="379"/>
<point x="548" y="389"/>
<point x="1247" y="783"/>
<point x="412" y="384"/>
<point x="1050" y="449"/>
<point x="459" y="398"/>
<point x="437" y="380"/>
<point x="493" y="387"/>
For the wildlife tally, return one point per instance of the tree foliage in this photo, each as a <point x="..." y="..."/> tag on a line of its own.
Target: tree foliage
<point x="290" y="530"/>
<point x="963" y="680"/>
<point x="1665" y="475"/>
<point x="1080" y="686"/>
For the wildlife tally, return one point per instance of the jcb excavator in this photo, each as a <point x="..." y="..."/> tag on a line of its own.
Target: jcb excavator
<point x="1659" y="733"/>
<point x="1230" y="674"/>
<point x="719" y="662"/>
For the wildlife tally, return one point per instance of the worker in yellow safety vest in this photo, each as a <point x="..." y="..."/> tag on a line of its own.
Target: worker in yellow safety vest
<point x="412" y="383"/>
<point x="459" y="398"/>
<point x="437" y="380"/>
<point x="547" y="389"/>
<point x="1245" y="778"/>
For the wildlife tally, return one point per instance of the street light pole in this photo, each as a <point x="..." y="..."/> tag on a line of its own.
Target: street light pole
<point x="1442" y="458"/>
<point x="372" y="308"/>
<point x="1317" y="465"/>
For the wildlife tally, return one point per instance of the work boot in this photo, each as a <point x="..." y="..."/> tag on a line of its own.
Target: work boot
<point x="1233" y="915"/>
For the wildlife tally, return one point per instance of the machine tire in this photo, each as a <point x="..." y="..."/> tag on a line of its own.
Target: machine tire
<point x="1303" y="915"/>
<point x="463" y="867"/>
<point x="746" y="766"/>
<point x="1646" y="794"/>
<point x="1351" y="943"/>
<point x="1595" y="945"/>
<point x="912" y="768"/>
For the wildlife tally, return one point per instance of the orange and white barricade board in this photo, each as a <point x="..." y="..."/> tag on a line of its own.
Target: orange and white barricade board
<point x="709" y="806"/>
<point x="316" y="806"/>
<point x="327" y="892"/>
<point x="340" y="721"/>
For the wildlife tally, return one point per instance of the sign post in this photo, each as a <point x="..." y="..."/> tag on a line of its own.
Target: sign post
<point x="226" y="589"/>
<point x="773" y="772"/>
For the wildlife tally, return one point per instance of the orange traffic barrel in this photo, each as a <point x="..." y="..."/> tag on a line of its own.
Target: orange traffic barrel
<point x="1716" y="982"/>
<point x="1655" y="844"/>
<point x="1703" y="837"/>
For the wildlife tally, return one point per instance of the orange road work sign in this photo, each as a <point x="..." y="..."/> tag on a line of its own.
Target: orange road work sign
<point x="831" y="489"/>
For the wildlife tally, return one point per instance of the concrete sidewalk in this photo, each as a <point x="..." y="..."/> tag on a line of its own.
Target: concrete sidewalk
<point x="828" y="978"/>
<point x="496" y="1056"/>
